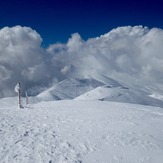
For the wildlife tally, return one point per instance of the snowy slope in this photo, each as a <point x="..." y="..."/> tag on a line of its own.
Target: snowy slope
<point x="81" y="132"/>
<point x="120" y="94"/>
<point x="69" y="89"/>
<point x="98" y="87"/>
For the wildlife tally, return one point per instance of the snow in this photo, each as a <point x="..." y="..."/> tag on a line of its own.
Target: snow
<point x="109" y="111"/>
<point x="157" y="96"/>
<point x="78" y="131"/>
<point x="99" y="87"/>
<point x="120" y="94"/>
<point x="69" y="89"/>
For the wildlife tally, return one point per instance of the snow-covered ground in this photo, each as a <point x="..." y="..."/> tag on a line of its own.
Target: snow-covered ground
<point x="120" y="94"/>
<point x="99" y="88"/>
<point x="74" y="131"/>
<point x="69" y="89"/>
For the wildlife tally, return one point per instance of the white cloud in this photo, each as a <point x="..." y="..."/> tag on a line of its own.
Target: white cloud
<point x="19" y="51"/>
<point x="128" y="53"/>
<point x="4" y="74"/>
<point x="133" y="54"/>
<point x="74" y="43"/>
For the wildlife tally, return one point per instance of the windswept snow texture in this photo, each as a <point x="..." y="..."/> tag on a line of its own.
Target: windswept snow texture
<point x="80" y="132"/>
<point x="120" y="94"/>
<point x="102" y="88"/>
<point x="69" y="89"/>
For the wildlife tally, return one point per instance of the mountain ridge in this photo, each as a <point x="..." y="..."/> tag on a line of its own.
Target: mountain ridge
<point x="98" y="88"/>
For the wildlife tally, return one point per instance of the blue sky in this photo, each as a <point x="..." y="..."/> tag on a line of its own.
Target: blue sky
<point x="56" y="20"/>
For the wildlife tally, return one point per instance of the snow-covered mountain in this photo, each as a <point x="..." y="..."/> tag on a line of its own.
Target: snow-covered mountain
<point x="69" y="89"/>
<point x="98" y="88"/>
<point x="99" y="118"/>
<point x="83" y="120"/>
<point x="120" y="94"/>
<point x="70" y="131"/>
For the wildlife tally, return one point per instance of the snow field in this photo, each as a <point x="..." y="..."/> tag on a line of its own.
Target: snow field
<point x="81" y="132"/>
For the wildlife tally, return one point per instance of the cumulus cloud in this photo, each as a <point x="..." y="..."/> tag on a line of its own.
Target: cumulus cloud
<point x="20" y="51"/>
<point x="133" y="54"/>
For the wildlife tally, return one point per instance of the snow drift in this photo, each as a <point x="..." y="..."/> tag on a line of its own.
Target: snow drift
<point x="120" y="94"/>
<point x="69" y="89"/>
<point x="98" y="88"/>
<point x="80" y="131"/>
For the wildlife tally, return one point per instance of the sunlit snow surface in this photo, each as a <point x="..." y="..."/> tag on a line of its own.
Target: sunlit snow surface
<point x="75" y="131"/>
<point x="99" y="88"/>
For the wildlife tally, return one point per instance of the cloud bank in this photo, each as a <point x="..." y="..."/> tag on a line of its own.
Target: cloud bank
<point x="133" y="54"/>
